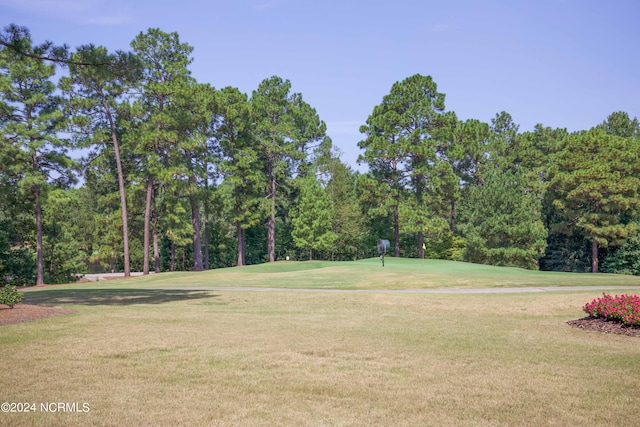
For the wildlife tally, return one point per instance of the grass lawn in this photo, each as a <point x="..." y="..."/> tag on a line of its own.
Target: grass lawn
<point x="142" y="356"/>
<point x="369" y="274"/>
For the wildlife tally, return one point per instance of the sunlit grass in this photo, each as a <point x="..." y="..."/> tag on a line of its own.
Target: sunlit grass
<point x="398" y="273"/>
<point x="230" y="357"/>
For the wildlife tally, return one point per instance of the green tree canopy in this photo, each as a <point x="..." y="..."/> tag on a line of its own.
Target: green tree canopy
<point x="285" y="126"/>
<point x="30" y="121"/>
<point x="400" y="150"/>
<point x="502" y="221"/>
<point x="164" y="74"/>
<point x="93" y="96"/>
<point x="313" y="217"/>
<point x="620" y="124"/>
<point x="596" y="183"/>
<point x="241" y="164"/>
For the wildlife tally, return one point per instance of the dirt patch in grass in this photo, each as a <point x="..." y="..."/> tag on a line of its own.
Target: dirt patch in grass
<point x="26" y="312"/>
<point x="604" y="326"/>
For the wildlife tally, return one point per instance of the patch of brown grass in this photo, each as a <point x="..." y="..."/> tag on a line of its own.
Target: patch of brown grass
<point x="242" y="358"/>
<point x="27" y="312"/>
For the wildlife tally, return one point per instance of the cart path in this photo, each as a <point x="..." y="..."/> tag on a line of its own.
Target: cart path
<point x="410" y="291"/>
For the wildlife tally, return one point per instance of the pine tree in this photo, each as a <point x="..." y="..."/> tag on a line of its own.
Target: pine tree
<point x="620" y="124"/>
<point x="312" y="218"/>
<point x="626" y="259"/>
<point x="463" y="146"/>
<point x="502" y="221"/>
<point x="240" y="165"/>
<point x="596" y="184"/>
<point x="64" y="256"/>
<point x="348" y="221"/>
<point x="31" y="118"/>
<point x="401" y="151"/>
<point x="94" y="94"/>
<point x="193" y="118"/>
<point x="164" y="75"/>
<point x="285" y="126"/>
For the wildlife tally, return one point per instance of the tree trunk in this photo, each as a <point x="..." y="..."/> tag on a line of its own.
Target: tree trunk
<point x="594" y="257"/>
<point x="173" y="257"/>
<point x="156" y="250"/>
<point x="39" y="246"/>
<point x="195" y="216"/>
<point x="310" y="254"/>
<point x="206" y="222"/>
<point x="206" y="234"/>
<point x="147" y="226"/>
<point x="271" y="224"/>
<point x="197" y="244"/>
<point x="453" y="216"/>
<point x="241" y="249"/>
<point x="419" y="186"/>
<point x="396" y="232"/>
<point x="123" y="196"/>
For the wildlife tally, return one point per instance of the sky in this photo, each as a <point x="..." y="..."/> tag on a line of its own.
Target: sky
<point x="561" y="63"/>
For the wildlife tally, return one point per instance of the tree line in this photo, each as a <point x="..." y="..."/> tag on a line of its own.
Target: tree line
<point x="178" y="175"/>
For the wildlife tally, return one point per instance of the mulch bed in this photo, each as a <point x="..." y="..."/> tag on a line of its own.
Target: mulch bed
<point x="604" y="326"/>
<point x="26" y="312"/>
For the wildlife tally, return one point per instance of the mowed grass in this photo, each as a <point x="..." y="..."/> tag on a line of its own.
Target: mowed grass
<point x="230" y="357"/>
<point x="398" y="273"/>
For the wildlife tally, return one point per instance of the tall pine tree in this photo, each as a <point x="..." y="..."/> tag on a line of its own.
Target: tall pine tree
<point x="502" y="221"/>
<point x="95" y="94"/>
<point x="285" y="126"/>
<point x="596" y="184"/>
<point x="240" y="165"/>
<point x="401" y="151"/>
<point x="30" y="119"/>
<point x="313" y="217"/>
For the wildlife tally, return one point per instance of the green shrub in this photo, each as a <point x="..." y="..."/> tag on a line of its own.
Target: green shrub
<point x="625" y="260"/>
<point x="10" y="296"/>
<point x="18" y="267"/>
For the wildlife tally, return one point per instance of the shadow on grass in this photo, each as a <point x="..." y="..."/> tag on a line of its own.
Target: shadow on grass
<point x="113" y="296"/>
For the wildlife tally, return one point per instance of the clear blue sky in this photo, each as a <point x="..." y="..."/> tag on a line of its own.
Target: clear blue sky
<point x="562" y="63"/>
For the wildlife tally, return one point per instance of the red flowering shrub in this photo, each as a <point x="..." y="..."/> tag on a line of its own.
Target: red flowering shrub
<point x="623" y="308"/>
